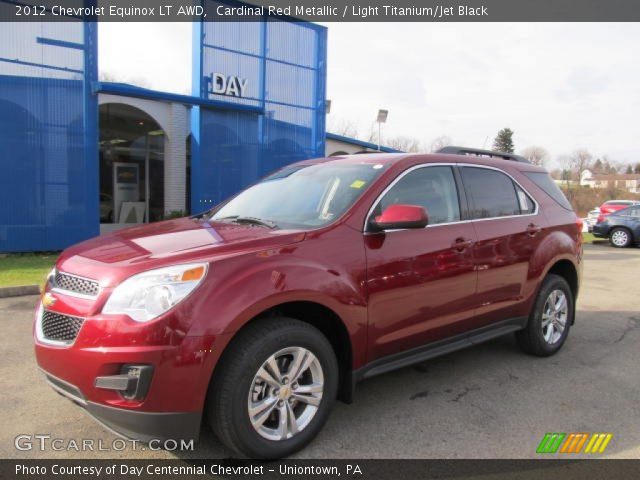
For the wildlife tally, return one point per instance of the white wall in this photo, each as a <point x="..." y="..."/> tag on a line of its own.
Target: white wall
<point x="332" y="146"/>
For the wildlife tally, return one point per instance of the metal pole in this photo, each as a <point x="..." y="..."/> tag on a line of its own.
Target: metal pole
<point x="147" y="188"/>
<point x="379" y="124"/>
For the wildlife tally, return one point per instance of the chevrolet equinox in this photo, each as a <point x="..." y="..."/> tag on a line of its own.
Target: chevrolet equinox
<point x="257" y="315"/>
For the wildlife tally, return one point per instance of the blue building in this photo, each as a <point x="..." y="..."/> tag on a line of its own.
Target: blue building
<point x="74" y="156"/>
<point x="79" y="157"/>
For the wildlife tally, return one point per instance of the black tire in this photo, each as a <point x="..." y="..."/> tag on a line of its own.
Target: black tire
<point x="531" y="339"/>
<point x="623" y="233"/>
<point x="228" y="398"/>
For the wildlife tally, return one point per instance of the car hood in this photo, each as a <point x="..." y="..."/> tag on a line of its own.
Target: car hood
<point x="120" y="254"/>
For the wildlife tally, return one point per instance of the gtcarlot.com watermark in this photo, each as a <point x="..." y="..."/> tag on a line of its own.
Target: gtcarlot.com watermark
<point x="45" y="442"/>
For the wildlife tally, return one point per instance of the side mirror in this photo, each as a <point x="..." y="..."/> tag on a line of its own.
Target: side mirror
<point x="400" y="217"/>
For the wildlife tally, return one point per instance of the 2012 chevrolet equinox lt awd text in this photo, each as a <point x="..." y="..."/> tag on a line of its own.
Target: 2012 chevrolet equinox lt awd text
<point x="257" y="315"/>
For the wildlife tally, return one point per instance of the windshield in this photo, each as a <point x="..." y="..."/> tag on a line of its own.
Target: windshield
<point x="301" y="196"/>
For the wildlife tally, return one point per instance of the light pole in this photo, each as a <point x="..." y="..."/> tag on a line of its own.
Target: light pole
<point x="382" y="118"/>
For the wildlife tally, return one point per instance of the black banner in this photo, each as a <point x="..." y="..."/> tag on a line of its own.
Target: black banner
<point x="322" y="10"/>
<point x="321" y="469"/>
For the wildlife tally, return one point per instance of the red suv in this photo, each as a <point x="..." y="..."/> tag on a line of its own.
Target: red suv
<point x="266" y="309"/>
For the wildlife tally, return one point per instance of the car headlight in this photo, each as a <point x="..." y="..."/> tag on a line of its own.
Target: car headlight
<point x="51" y="276"/>
<point x="148" y="295"/>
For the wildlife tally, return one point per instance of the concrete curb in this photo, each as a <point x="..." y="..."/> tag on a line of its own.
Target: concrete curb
<point x="22" y="290"/>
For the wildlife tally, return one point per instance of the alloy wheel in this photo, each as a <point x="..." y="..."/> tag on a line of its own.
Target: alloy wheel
<point x="285" y="393"/>
<point x="554" y="316"/>
<point x="619" y="238"/>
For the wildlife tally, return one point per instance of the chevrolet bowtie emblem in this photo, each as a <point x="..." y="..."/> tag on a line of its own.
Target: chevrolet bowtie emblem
<point x="48" y="300"/>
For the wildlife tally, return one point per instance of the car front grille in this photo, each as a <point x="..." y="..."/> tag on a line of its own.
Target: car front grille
<point x="60" y="328"/>
<point x="75" y="284"/>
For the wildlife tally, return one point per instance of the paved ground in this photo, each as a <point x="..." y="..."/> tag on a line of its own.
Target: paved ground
<point x="489" y="401"/>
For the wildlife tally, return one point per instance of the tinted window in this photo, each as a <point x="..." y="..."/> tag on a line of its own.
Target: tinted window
<point x="491" y="193"/>
<point x="544" y="181"/>
<point x="630" y="212"/>
<point x="433" y="188"/>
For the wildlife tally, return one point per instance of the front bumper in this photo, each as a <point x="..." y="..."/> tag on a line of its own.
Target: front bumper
<point x="172" y="402"/>
<point x="600" y="230"/>
<point x="139" y="425"/>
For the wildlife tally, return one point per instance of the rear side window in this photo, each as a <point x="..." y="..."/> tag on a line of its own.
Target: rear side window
<point x="544" y="181"/>
<point x="630" y="212"/>
<point x="491" y="193"/>
<point x="526" y="204"/>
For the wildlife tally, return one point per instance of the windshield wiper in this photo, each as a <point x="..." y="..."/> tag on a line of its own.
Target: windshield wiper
<point x="250" y="221"/>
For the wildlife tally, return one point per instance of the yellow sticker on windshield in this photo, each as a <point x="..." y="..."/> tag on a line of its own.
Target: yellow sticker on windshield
<point x="358" y="184"/>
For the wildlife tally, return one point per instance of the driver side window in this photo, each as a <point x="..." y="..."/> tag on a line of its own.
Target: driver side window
<point x="433" y="188"/>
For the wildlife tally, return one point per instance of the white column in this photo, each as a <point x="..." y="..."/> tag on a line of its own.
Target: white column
<point x="175" y="158"/>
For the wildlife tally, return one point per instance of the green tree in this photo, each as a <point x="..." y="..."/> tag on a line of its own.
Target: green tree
<point x="636" y="169"/>
<point x="598" y="166"/>
<point x="608" y="168"/>
<point x="504" y="141"/>
<point x="629" y="169"/>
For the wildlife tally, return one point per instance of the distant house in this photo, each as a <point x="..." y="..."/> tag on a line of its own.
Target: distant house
<point x="626" y="181"/>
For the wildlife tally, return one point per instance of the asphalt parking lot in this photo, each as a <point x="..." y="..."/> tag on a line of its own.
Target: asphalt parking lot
<point x="490" y="401"/>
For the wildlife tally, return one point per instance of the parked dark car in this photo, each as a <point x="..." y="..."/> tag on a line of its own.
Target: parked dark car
<point x="259" y="313"/>
<point x="622" y="228"/>
<point x="611" y="206"/>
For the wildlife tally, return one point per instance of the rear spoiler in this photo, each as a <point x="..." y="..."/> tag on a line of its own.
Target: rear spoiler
<point x="482" y="153"/>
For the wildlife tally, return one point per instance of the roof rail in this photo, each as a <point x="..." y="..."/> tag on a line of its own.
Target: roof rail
<point x="451" y="150"/>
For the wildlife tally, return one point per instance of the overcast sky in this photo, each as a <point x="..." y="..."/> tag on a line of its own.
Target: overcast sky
<point x="560" y="86"/>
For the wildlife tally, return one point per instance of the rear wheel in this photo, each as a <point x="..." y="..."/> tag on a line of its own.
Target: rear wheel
<point x="620" y="237"/>
<point x="550" y="319"/>
<point x="275" y="388"/>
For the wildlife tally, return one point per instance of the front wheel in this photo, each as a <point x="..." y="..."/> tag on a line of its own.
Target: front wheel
<point x="550" y="319"/>
<point x="620" y="237"/>
<point x="274" y="389"/>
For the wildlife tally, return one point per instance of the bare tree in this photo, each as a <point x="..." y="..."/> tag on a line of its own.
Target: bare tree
<point x="108" y="77"/>
<point x="566" y="165"/>
<point x="404" y="144"/>
<point x="401" y="142"/>
<point x="344" y="127"/>
<point x="608" y="165"/>
<point x="556" y="174"/>
<point x="536" y="155"/>
<point x="372" y="136"/>
<point x="580" y="160"/>
<point x="440" y="142"/>
<point x="114" y="78"/>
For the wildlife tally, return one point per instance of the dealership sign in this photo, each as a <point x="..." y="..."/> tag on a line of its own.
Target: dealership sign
<point x="230" y="85"/>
